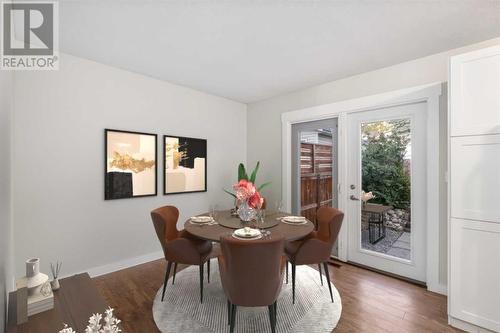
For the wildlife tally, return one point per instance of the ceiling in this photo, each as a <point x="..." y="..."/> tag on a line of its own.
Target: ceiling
<point x="253" y="50"/>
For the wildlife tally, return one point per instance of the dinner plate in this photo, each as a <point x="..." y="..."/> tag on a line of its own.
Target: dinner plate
<point x="294" y="223"/>
<point x="201" y="219"/>
<point x="247" y="233"/>
<point x="294" y="219"/>
<point x="247" y="238"/>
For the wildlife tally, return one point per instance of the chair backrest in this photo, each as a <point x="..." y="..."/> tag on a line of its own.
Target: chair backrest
<point x="329" y="222"/>
<point x="165" y="223"/>
<point x="253" y="270"/>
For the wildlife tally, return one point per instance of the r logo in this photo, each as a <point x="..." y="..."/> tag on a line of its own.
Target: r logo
<point x="37" y="28"/>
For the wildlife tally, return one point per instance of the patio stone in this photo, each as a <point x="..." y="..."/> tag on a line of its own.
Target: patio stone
<point x="399" y="252"/>
<point x="396" y="243"/>
<point x="405" y="237"/>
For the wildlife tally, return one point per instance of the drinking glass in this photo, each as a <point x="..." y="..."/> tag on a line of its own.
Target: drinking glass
<point x="214" y="212"/>
<point x="261" y="219"/>
<point x="279" y="207"/>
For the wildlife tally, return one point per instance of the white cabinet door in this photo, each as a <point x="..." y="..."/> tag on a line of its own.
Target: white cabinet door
<point x="475" y="92"/>
<point x="475" y="272"/>
<point x="475" y="178"/>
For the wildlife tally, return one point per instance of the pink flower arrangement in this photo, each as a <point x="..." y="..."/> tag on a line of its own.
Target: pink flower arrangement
<point x="246" y="191"/>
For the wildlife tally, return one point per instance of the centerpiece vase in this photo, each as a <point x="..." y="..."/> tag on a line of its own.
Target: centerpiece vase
<point x="246" y="213"/>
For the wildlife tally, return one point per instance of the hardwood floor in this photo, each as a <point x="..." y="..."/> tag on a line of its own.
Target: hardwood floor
<point x="371" y="302"/>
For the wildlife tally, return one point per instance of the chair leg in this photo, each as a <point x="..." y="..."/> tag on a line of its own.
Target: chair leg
<point x="320" y="275"/>
<point x="272" y="317"/>
<point x="228" y="312"/>
<point x="325" y="265"/>
<point x="175" y="271"/>
<point x="286" y="271"/>
<point x="201" y="282"/>
<point x="233" y="318"/>
<point x="208" y="270"/>
<point x="167" y="274"/>
<point x="293" y="282"/>
<point x="275" y="312"/>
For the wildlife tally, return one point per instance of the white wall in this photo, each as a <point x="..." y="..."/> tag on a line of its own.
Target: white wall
<point x="58" y="166"/>
<point x="264" y="118"/>
<point x="6" y="82"/>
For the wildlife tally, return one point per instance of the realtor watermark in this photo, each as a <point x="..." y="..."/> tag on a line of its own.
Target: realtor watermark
<point x="29" y="36"/>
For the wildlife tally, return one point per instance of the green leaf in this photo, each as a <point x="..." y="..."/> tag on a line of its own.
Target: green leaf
<point x="242" y="173"/>
<point x="232" y="194"/>
<point x="254" y="173"/>
<point x="262" y="186"/>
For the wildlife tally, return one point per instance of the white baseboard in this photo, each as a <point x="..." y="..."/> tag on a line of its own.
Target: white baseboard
<point x="465" y="326"/>
<point x="122" y="264"/>
<point x="438" y="288"/>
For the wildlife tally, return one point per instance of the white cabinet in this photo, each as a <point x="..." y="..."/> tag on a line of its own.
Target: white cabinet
<point x="473" y="191"/>
<point x="475" y="271"/>
<point x="475" y="92"/>
<point x="475" y="177"/>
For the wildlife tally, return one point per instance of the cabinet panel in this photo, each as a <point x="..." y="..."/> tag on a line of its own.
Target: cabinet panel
<point x="475" y="101"/>
<point x="475" y="177"/>
<point x="475" y="272"/>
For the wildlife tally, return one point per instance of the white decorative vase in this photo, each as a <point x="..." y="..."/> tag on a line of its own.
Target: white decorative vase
<point x="35" y="278"/>
<point x="32" y="267"/>
<point x="54" y="284"/>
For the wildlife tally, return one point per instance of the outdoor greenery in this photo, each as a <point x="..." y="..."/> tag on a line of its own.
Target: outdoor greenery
<point x="385" y="144"/>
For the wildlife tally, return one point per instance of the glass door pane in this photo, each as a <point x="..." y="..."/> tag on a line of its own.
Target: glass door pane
<point x="386" y="187"/>
<point x="316" y="171"/>
<point x="314" y="168"/>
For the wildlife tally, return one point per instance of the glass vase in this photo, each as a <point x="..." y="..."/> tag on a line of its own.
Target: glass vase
<point x="245" y="212"/>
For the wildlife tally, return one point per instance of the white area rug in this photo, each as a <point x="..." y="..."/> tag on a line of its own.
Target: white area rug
<point x="181" y="311"/>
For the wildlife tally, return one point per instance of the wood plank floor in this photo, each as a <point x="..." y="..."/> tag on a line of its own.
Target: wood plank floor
<point x="371" y="302"/>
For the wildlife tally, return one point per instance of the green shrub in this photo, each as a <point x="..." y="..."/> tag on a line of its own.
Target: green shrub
<point x="384" y="146"/>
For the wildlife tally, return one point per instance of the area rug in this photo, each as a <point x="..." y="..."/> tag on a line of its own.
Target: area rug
<point x="181" y="311"/>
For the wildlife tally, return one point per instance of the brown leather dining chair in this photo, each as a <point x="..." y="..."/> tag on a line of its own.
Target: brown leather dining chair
<point x="316" y="247"/>
<point x="179" y="247"/>
<point x="251" y="274"/>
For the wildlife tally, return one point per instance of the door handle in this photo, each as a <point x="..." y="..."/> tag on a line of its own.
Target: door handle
<point x="352" y="197"/>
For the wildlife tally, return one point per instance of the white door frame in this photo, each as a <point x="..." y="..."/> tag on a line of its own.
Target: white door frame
<point x="415" y="266"/>
<point x="430" y="94"/>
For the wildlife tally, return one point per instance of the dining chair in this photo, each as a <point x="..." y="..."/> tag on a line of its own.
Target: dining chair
<point x="316" y="247"/>
<point x="252" y="274"/>
<point x="179" y="246"/>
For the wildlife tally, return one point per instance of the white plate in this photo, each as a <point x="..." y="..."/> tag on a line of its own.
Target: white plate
<point x="294" y="219"/>
<point x="247" y="233"/>
<point x="294" y="223"/>
<point x="247" y="238"/>
<point x="201" y="219"/>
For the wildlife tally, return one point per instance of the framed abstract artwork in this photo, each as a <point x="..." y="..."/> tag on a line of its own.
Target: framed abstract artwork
<point x="131" y="164"/>
<point x="185" y="165"/>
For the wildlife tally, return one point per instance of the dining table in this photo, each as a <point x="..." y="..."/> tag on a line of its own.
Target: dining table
<point x="225" y="222"/>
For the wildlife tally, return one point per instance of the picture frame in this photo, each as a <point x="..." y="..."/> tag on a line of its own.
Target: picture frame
<point x="184" y="165"/>
<point x="130" y="164"/>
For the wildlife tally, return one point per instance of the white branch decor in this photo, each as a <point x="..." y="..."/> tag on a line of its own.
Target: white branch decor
<point x="67" y="329"/>
<point x="55" y="269"/>
<point x="110" y="324"/>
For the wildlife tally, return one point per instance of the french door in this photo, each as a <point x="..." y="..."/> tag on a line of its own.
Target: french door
<point x="315" y="168"/>
<point x="386" y="156"/>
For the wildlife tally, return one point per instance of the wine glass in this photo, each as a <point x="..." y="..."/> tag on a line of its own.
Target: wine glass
<point x="259" y="221"/>
<point x="214" y="212"/>
<point x="279" y="207"/>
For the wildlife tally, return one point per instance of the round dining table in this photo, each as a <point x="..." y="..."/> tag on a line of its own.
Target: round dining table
<point x="225" y="224"/>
